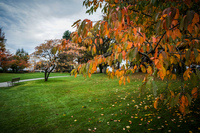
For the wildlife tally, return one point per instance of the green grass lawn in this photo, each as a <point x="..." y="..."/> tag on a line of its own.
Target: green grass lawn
<point x="8" y="76"/>
<point x="95" y="104"/>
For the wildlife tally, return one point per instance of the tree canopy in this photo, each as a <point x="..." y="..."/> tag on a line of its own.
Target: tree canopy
<point x="154" y="36"/>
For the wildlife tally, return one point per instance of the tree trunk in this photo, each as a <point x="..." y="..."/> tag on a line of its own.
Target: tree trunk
<point x="101" y="67"/>
<point x="47" y="73"/>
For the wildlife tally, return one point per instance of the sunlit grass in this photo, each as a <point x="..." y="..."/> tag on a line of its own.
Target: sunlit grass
<point x="95" y="104"/>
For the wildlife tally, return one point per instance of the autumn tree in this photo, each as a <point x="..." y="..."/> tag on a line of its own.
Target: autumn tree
<point x="155" y="36"/>
<point x="69" y="57"/>
<point x="4" y="53"/>
<point x="47" y="54"/>
<point x="19" y="61"/>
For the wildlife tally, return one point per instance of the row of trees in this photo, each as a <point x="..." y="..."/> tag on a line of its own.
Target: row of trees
<point x="16" y="62"/>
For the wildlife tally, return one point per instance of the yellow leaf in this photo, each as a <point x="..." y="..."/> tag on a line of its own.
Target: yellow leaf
<point x="186" y="74"/>
<point x="143" y="69"/>
<point x="149" y="69"/>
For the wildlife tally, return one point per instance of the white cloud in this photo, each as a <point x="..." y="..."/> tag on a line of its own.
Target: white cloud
<point x="29" y="23"/>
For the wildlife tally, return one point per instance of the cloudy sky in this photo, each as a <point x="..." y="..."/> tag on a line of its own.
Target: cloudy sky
<point x="28" y="23"/>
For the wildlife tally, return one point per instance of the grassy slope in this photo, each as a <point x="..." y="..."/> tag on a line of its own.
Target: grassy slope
<point x="78" y="105"/>
<point x="8" y="76"/>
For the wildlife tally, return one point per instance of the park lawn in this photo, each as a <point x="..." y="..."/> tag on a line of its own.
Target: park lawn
<point x="4" y="77"/>
<point x="95" y="104"/>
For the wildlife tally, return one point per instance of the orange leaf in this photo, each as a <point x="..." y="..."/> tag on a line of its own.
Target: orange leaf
<point x="128" y="79"/>
<point x="101" y="41"/>
<point x="156" y="53"/>
<point x="124" y="81"/>
<point x="194" y="93"/>
<point x="182" y="108"/>
<point x="120" y="82"/>
<point x="75" y="75"/>
<point x="79" y="40"/>
<point x="123" y="55"/>
<point x="94" y="49"/>
<point x="183" y="100"/>
<point x="156" y="103"/>
<point x="196" y="18"/>
<point x="135" y="31"/>
<point x="95" y="41"/>
<point x="154" y="39"/>
<point x="186" y="74"/>
<point x="119" y="49"/>
<point x="135" y="67"/>
<point x="174" y="76"/>
<point x="172" y="93"/>
<point x="186" y="101"/>
<point x="190" y="28"/>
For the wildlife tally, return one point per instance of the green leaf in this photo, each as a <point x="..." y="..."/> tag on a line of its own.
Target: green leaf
<point x="76" y="22"/>
<point x="142" y="88"/>
<point x="188" y="55"/>
<point x="168" y="97"/>
<point x="198" y="73"/>
<point x="144" y="48"/>
<point x="182" y="23"/>
<point x="120" y="57"/>
<point x="185" y="24"/>
<point x="154" y="87"/>
<point x="190" y="15"/>
<point x="158" y="27"/>
<point x="171" y="103"/>
<point x="157" y="15"/>
<point x="168" y="22"/>
<point x="194" y="79"/>
<point x="196" y="53"/>
<point x="131" y="55"/>
<point x="176" y="98"/>
<point x="189" y="98"/>
<point x="119" y="16"/>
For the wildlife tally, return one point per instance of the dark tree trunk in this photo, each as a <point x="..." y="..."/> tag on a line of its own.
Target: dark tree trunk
<point x="101" y="68"/>
<point x="47" y="73"/>
<point x="104" y="68"/>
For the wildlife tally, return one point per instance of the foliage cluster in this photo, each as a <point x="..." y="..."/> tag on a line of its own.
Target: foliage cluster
<point x="156" y="37"/>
